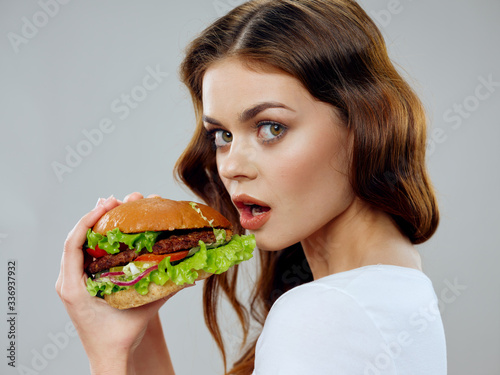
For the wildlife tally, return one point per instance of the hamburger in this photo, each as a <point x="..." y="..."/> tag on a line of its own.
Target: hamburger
<point x="147" y="249"/>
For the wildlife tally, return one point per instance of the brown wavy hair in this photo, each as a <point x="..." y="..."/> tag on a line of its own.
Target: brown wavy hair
<point x="338" y="54"/>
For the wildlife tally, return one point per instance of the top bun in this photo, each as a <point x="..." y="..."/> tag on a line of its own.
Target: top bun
<point x="158" y="214"/>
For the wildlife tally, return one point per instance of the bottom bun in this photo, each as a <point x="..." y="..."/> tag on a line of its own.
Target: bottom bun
<point x="129" y="298"/>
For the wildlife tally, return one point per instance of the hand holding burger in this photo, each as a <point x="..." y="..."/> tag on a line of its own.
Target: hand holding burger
<point x="100" y="326"/>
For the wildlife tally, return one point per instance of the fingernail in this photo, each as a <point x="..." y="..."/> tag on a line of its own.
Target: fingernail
<point x="100" y="202"/>
<point x="109" y="198"/>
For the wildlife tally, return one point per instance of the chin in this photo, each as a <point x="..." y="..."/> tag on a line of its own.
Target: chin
<point x="270" y="243"/>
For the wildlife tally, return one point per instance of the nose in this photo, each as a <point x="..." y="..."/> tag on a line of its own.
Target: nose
<point x="239" y="163"/>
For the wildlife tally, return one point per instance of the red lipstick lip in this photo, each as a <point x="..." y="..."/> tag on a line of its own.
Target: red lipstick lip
<point x="247" y="220"/>
<point x="241" y="200"/>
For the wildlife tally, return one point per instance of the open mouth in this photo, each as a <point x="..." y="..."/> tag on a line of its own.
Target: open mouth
<point x="253" y="213"/>
<point x="255" y="209"/>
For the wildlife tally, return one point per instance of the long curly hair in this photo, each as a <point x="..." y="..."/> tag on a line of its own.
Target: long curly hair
<point x="336" y="51"/>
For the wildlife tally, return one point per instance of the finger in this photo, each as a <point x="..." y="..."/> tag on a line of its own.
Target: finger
<point x="100" y="202"/>
<point x="111" y="203"/>
<point x="154" y="196"/>
<point x="133" y="197"/>
<point x="72" y="259"/>
<point x="78" y="234"/>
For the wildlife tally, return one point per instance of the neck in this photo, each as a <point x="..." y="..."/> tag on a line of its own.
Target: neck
<point x="360" y="236"/>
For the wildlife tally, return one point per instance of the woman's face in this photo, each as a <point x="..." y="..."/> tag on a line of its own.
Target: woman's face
<point x="281" y="154"/>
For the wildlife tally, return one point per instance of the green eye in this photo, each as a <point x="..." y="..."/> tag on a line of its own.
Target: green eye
<point x="269" y="131"/>
<point x="222" y="138"/>
<point x="276" y="129"/>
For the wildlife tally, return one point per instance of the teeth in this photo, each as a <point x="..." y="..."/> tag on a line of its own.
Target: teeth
<point x="257" y="210"/>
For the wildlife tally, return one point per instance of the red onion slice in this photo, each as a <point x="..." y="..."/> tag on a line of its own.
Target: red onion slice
<point x="136" y="280"/>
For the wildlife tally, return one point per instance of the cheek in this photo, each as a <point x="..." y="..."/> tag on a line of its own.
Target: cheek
<point x="309" y="183"/>
<point x="313" y="171"/>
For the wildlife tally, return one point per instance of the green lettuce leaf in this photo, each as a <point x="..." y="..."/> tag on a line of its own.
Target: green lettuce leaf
<point x="111" y="241"/>
<point x="214" y="260"/>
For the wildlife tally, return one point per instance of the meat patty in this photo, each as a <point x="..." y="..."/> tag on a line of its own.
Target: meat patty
<point x="163" y="246"/>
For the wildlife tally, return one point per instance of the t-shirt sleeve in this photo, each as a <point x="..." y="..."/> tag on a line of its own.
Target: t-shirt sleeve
<point x="318" y="330"/>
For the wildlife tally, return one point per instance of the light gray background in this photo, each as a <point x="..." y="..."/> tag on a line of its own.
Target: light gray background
<point x="64" y="79"/>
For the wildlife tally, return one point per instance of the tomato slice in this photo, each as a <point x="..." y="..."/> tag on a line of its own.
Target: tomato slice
<point x="97" y="252"/>
<point x="154" y="258"/>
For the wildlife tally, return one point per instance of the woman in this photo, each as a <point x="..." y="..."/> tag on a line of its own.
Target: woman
<point x="309" y="138"/>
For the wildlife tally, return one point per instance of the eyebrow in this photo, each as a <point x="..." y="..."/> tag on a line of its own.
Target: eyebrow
<point x="250" y="113"/>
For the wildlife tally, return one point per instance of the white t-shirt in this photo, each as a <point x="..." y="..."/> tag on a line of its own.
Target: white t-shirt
<point x="373" y="320"/>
